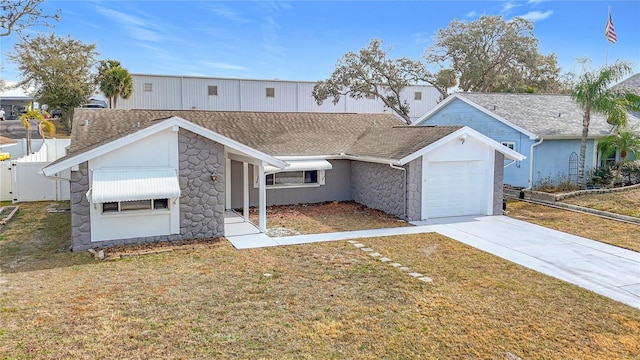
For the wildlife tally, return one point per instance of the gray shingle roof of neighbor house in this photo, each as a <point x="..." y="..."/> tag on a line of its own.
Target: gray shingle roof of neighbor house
<point x="631" y="84"/>
<point x="543" y="115"/>
<point x="276" y="134"/>
<point x="398" y="141"/>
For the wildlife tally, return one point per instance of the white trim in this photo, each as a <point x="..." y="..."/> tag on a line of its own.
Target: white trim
<point x="262" y="199"/>
<point x="160" y="126"/>
<point x="454" y="96"/>
<point x="460" y="135"/>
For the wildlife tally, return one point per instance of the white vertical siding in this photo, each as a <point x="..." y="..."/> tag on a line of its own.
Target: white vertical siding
<point x="186" y="92"/>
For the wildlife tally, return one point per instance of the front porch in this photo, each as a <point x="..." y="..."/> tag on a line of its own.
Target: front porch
<point x="243" y="234"/>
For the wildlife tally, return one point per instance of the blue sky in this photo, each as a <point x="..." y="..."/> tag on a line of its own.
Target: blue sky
<point x="301" y="40"/>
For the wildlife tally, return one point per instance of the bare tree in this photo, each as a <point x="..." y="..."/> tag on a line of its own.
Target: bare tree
<point x="17" y="15"/>
<point x="370" y="73"/>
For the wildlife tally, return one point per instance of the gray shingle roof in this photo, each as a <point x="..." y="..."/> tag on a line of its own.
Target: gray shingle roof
<point x="541" y="114"/>
<point x="276" y="134"/>
<point x="631" y="84"/>
<point x="399" y="141"/>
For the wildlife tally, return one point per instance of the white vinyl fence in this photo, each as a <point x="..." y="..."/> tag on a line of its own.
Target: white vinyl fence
<point x="22" y="180"/>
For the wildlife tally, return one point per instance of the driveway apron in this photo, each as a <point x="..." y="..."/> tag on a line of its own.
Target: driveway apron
<point x="605" y="269"/>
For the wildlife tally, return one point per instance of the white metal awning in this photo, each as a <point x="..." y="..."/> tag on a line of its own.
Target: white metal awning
<point x="111" y="185"/>
<point x="300" y="165"/>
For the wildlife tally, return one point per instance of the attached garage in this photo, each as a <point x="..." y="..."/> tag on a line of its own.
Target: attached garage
<point x="456" y="188"/>
<point x="458" y="178"/>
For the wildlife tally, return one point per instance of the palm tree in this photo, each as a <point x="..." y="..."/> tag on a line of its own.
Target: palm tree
<point x="45" y="127"/>
<point x="593" y="93"/>
<point x="114" y="81"/>
<point x="626" y="141"/>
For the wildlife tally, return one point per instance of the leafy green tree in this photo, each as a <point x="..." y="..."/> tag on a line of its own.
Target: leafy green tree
<point x="492" y="54"/>
<point x="593" y="92"/>
<point x="44" y="126"/>
<point x="114" y="81"/>
<point x="58" y="69"/>
<point x="18" y="15"/>
<point x="370" y="73"/>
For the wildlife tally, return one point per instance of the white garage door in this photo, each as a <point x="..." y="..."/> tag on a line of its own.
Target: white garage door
<point x="455" y="188"/>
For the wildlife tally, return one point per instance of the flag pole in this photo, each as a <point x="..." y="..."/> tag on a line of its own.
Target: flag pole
<point x="606" y="49"/>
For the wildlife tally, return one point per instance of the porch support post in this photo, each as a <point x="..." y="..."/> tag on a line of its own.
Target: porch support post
<point x="227" y="182"/>
<point x="262" y="212"/>
<point x="245" y="194"/>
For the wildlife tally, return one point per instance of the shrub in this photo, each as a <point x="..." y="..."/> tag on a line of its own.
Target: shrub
<point x="561" y="183"/>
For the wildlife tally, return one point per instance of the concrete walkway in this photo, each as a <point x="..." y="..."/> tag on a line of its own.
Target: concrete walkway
<point x="607" y="270"/>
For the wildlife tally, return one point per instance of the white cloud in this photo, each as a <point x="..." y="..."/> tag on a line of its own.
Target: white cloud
<point x="135" y="26"/>
<point x="228" y="14"/>
<point x="471" y="14"/>
<point x="536" y="15"/>
<point x="508" y="6"/>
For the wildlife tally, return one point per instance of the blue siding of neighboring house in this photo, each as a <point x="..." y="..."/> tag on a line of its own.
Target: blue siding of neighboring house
<point x="460" y="113"/>
<point x="551" y="160"/>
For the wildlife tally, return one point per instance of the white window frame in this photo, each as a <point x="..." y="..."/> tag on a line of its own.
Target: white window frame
<point x="320" y="176"/>
<point x="148" y="87"/>
<point x="151" y="207"/>
<point x="510" y="144"/>
<point x="417" y="96"/>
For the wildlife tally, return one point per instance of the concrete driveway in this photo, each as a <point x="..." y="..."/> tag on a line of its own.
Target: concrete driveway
<point x="607" y="270"/>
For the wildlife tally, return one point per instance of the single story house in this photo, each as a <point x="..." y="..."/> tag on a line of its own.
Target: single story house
<point x="162" y="175"/>
<point x="546" y="129"/>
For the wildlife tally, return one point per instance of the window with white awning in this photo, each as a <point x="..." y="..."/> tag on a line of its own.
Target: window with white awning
<point x="117" y="185"/>
<point x="298" y="173"/>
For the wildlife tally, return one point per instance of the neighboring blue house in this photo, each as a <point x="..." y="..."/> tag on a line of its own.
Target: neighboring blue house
<point x="545" y="128"/>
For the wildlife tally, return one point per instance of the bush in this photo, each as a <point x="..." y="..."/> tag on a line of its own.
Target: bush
<point x="561" y="183"/>
<point x="618" y="175"/>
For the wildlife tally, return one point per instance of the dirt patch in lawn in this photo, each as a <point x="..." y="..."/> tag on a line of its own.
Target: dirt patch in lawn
<point x="623" y="203"/>
<point x="325" y="218"/>
<point x="612" y="232"/>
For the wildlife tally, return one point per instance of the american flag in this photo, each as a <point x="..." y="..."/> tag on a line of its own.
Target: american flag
<point x="609" y="31"/>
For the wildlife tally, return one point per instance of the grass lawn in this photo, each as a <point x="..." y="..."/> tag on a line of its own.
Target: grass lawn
<point x="330" y="300"/>
<point x="591" y="227"/>
<point x="623" y="203"/>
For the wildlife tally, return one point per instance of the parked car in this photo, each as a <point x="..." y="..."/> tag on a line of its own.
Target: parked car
<point x="56" y="113"/>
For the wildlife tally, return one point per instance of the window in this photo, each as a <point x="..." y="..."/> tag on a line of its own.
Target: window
<point x="417" y="95"/>
<point x="148" y="87"/>
<point x="212" y="90"/>
<point x="510" y="144"/>
<point x="115" y="207"/>
<point x="292" y="179"/>
<point x="271" y="92"/>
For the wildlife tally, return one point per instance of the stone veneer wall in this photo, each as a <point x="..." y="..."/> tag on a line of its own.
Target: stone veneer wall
<point x="498" y="183"/>
<point x="80" y="208"/>
<point x="378" y="186"/>
<point x="414" y="189"/>
<point x="201" y="201"/>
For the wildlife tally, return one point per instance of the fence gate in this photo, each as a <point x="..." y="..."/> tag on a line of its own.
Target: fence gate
<point x="573" y="167"/>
